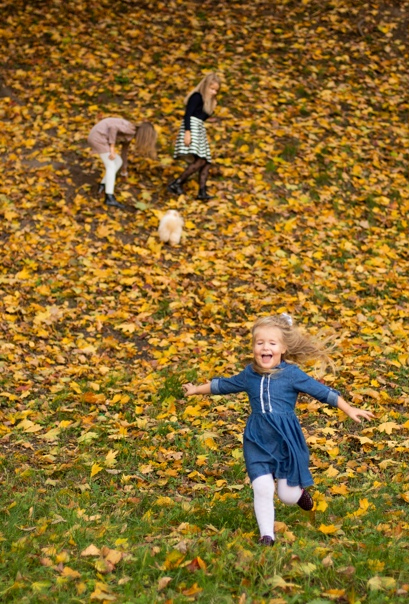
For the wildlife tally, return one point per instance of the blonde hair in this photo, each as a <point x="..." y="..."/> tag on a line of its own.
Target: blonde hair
<point x="209" y="102"/>
<point x="300" y="346"/>
<point x="145" y="140"/>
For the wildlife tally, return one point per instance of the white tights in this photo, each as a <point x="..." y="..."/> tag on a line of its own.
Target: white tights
<point x="263" y="488"/>
<point x="111" y="168"/>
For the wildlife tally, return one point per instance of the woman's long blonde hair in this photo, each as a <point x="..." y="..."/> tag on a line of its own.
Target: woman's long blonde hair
<point x="300" y="346"/>
<point x="145" y="140"/>
<point x="209" y="102"/>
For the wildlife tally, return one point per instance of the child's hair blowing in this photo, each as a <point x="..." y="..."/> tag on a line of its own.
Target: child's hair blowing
<point x="145" y="140"/>
<point x="300" y="346"/>
<point x="209" y="102"/>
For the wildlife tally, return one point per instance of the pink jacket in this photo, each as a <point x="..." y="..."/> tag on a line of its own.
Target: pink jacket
<point x="109" y="131"/>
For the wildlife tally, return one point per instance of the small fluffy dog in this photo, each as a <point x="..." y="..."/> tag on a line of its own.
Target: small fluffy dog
<point x="170" y="227"/>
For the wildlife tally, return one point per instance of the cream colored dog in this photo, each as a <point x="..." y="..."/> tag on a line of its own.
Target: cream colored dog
<point x="170" y="227"/>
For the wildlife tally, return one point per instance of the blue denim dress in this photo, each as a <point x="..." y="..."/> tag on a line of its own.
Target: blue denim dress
<point x="273" y="440"/>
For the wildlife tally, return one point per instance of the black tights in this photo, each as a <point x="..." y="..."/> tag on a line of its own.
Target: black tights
<point x="201" y="165"/>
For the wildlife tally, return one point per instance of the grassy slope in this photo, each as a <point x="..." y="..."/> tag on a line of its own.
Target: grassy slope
<point x="101" y="323"/>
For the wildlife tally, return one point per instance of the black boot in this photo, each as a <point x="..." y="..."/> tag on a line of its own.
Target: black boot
<point x="305" y="502"/>
<point x="101" y="188"/>
<point x="176" y="187"/>
<point x="111" y="201"/>
<point x="203" y="194"/>
<point x="266" y="540"/>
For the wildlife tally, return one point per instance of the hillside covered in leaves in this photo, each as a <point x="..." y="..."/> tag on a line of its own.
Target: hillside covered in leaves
<point x="115" y="489"/>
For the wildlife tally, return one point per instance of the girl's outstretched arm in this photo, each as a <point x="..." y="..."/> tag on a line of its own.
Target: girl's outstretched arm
<point x="192" y="389"/>
<point x="353" y="412"/>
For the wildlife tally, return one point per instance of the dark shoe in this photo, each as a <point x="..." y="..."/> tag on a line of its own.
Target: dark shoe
<point x="111" y="201"/>
<point x="305" y="502"/>
<point x="266" y="540"/>
<point x="203" y="194"/>
<point x="101" y="188"/>
<point x="175" y="187"/>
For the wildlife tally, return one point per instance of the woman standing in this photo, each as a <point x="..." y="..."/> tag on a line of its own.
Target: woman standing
<point x="112" y="131"/>
<point x="192" y="139"/>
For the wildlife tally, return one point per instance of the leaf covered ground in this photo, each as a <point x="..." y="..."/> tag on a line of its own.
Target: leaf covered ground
<point x="113" y="488"/>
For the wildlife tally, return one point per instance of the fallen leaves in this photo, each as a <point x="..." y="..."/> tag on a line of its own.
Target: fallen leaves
<point x="364" y="507"/>
<point x="378" y="583"/>
<point x="328" y="529"/>
<point x="309" y="216"/>
<point x="107" y="558"/>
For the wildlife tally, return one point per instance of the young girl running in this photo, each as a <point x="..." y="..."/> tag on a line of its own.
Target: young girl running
<point x="103" y="138"/>
<point x="192" y="139"/>
<point x="274" y="445"/>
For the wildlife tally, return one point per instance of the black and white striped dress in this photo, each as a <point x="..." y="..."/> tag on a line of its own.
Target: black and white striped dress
<point x="194" y="119"/>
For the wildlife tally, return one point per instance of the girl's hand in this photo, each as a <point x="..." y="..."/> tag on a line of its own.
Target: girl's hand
<point x="111" y="155"/>
<point x="188" y="138"/>
<point x="189" y="389"/>
<point x="355" y="413"/>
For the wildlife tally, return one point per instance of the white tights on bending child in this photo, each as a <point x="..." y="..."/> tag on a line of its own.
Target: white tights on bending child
<point x="264" y="488"/>
<point x="111" y="168"/>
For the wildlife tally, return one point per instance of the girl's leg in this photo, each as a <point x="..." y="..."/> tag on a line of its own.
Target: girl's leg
<point x="263" y="489"/>
<point x="195" y="166"/>
<point x="294" y="495"/>
<point x="203" y="174"/>
<point x="111" y="168"/>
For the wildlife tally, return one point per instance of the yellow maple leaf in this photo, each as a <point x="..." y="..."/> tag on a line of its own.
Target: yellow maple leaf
<point x="95" y="469"/>
<point x="192" y="411"/>
<point x="334" y="452"/>
<point x="280" y="527"/>
<point x="38" y="586"/>
<point x="112" y="555"/>
<point x="388" y="427"/>
<point x="62" y="557"/>
<point x="91" y="550"/>
<point x="192" y="591"/>
<point x="70" y="572"/>
<point x="364" y="506"/>
<point x="76" y="387"/>
<point x="110" y="460"/>
<point x="335" y="593"/>
<point x="52" y="434"/>
<point x="65" y="423"/>
<point x="164" y="502"/>
<point x="127" y="327"/>
<point x="28" y="426"/>
<point x="378" y="583"/>
<point x="341" y="489"/>
<point x="173" y="559"/>
<point x="321" y="506"/>
<point x="102" y="593"/>
<point x="332" y="472"/>
<point x="328" y="529"/>
<point x="23" y="274"/>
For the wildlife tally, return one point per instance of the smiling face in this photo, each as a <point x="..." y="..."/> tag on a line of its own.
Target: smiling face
<point x="268" y="347"/>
